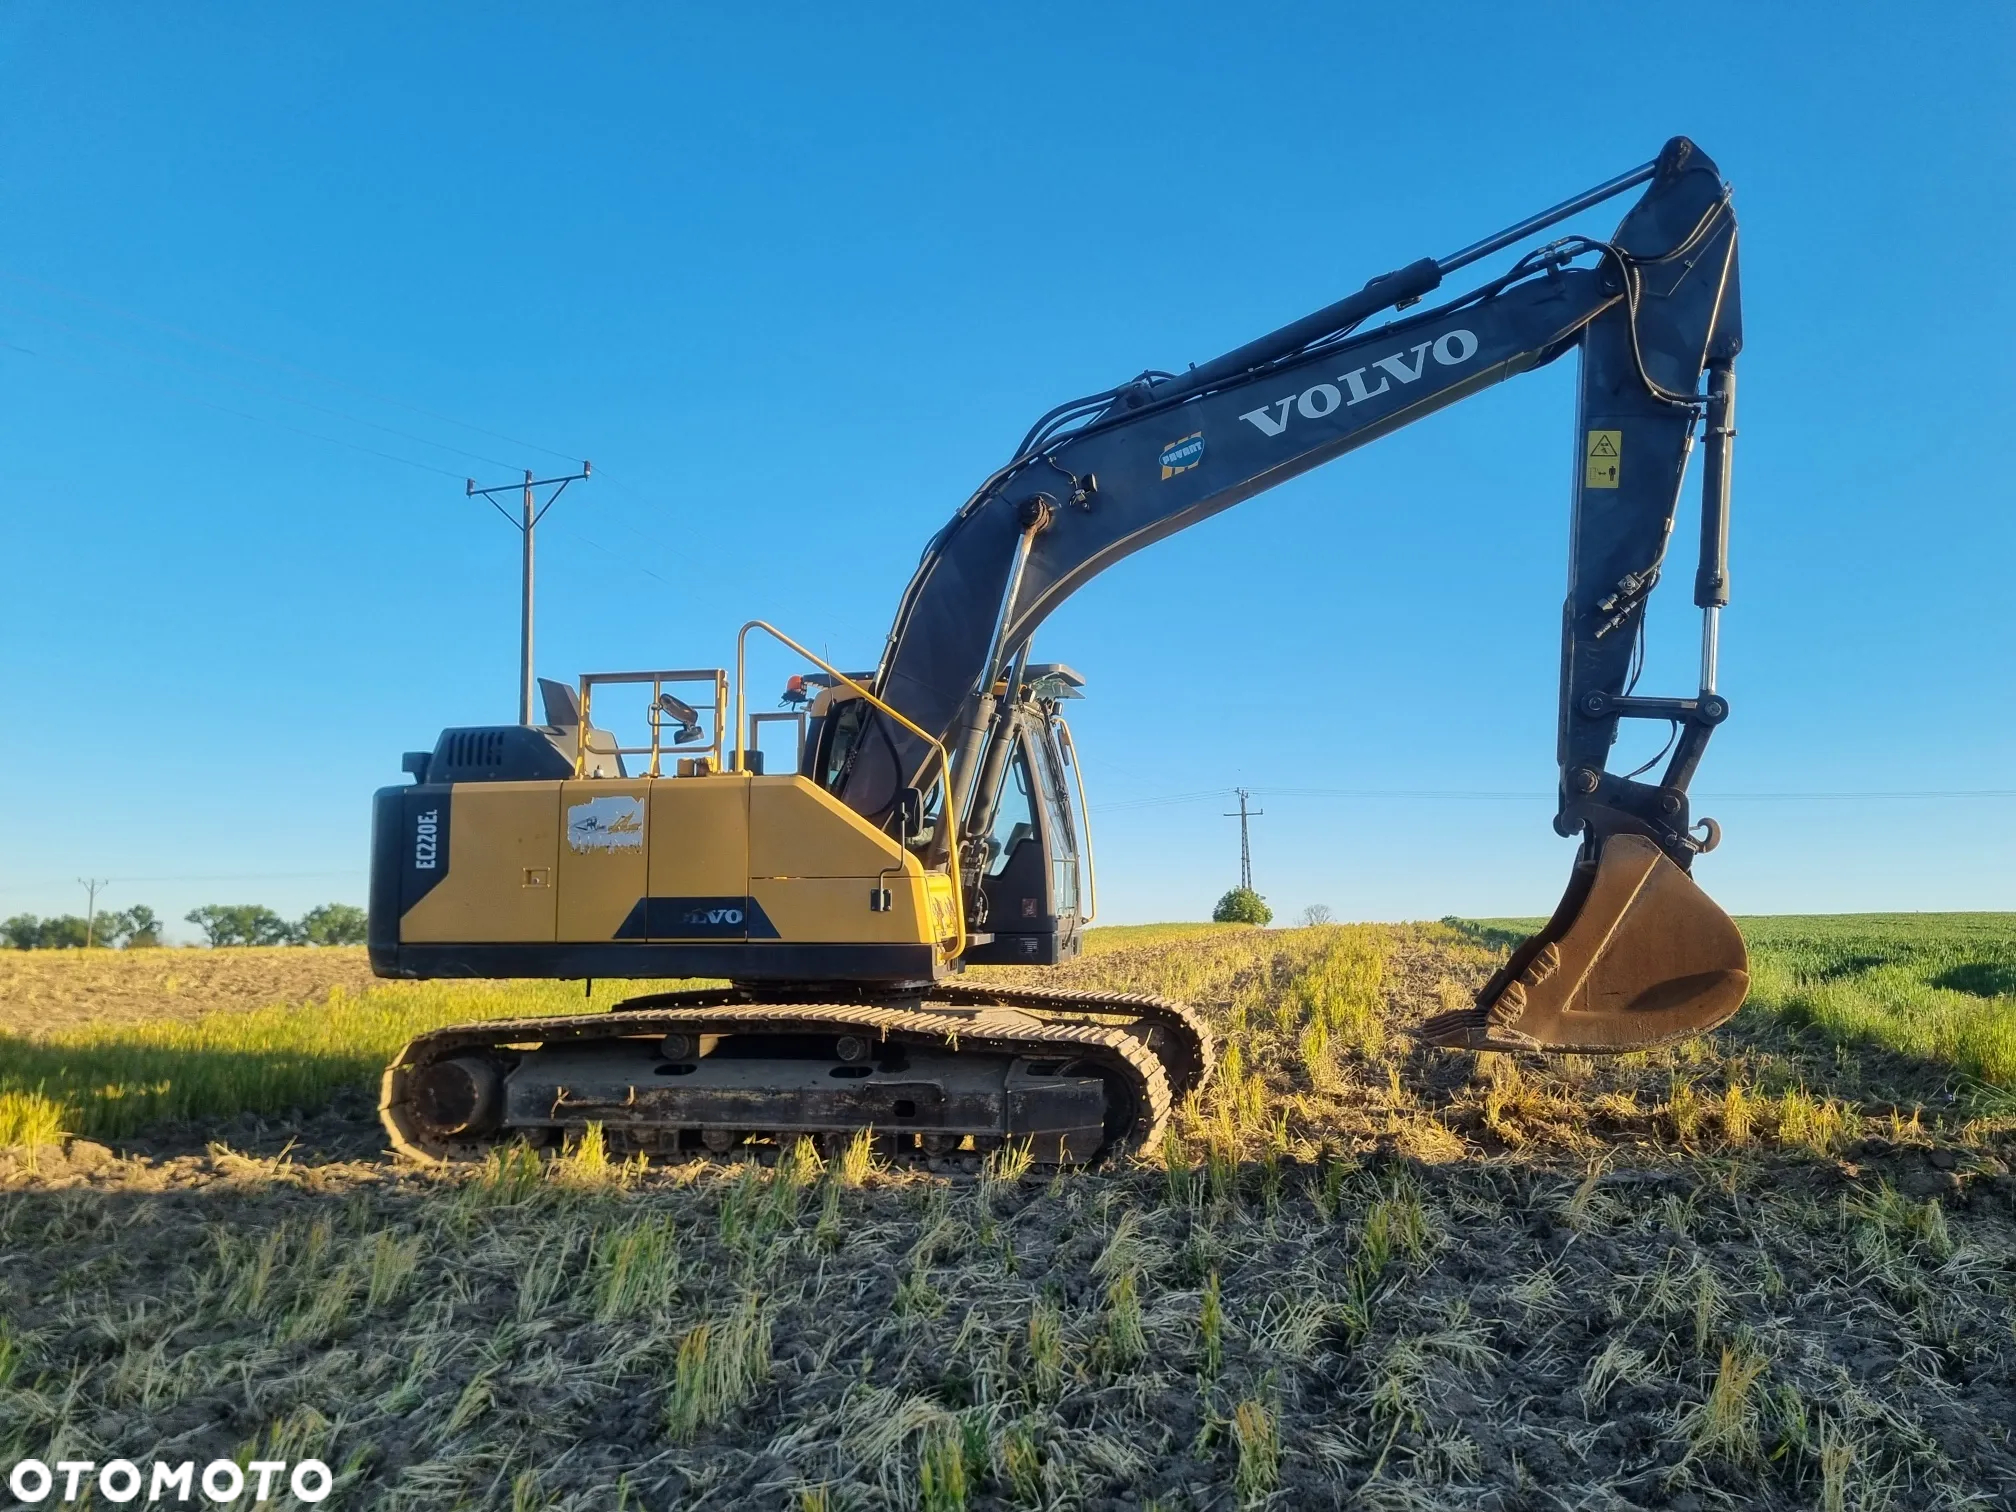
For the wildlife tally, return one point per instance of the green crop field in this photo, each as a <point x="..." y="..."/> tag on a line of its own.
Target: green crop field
<point x="1940" y="987"/>
<point x="1775" y="1267"/>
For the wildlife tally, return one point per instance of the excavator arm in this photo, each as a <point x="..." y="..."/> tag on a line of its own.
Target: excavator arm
<point x="1636" y="954"/>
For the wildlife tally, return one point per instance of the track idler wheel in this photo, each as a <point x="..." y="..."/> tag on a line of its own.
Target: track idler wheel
<point x="464" y="1095"/>
<point x="1635" y="956"/>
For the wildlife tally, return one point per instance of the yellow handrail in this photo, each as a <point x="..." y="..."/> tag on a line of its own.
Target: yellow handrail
<point x="717" y="749"/>
<point x="944" y="761"/>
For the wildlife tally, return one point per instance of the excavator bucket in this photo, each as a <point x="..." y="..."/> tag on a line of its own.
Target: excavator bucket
<point x="1635" y="956"/>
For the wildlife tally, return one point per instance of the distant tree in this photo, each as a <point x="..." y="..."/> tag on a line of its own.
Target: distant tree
<point x="240" y="924"/>
<point x="133" y="928"/>
<point x="136" y="926"/>
<point x="64" y="932"/>
<point x="1317" y="913"/>
<point x="332" y="924"/>
<point x="1242" y="905"/>
<point x="216" y="922"/>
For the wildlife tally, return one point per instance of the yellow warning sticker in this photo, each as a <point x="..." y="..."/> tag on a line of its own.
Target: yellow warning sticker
<point x="1605" y="455"/>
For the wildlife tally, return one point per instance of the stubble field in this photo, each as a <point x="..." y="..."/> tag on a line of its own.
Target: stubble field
<point x="1775" y="1268"/>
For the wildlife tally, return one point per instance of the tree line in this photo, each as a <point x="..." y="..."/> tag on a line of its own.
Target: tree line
<point x="221" y="923"/>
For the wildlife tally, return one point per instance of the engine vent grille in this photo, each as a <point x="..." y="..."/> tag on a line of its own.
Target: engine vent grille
<point x="476" y="749"/>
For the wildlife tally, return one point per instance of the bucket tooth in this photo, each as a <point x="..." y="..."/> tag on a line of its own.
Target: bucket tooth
<point x="1635" y="956"/>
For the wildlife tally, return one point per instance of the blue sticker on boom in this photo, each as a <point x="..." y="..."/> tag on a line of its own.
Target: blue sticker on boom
<point x="1181" y="456"/>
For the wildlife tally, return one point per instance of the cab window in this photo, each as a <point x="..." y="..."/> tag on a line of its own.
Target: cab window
<point x="842" y="733"/>
<point x="1063" y="839"/>
<point x="1014" y="816"/>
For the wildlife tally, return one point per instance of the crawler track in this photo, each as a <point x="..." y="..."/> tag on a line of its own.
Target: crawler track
<point x="1177" y="1033"/>
<point x="969" y="1057"/>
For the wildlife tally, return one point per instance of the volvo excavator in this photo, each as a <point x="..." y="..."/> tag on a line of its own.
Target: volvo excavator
<point x="931" y="816"/>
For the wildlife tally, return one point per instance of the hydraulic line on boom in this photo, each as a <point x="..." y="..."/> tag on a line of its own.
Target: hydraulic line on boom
<point x="925" y="824"/>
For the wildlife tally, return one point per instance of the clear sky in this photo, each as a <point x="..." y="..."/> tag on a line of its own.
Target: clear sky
<point x="275" y="279"/>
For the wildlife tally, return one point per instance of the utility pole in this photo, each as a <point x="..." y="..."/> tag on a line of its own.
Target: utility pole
<point x="1245" y="844"/>
<point x="91" y="886"/>
<point x="533" y="513"/>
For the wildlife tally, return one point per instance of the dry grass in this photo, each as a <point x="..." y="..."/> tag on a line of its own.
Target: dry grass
<point x="1755" y="1271"/>
<point x="292" y="1048"/>
<point x="47" y="991"/>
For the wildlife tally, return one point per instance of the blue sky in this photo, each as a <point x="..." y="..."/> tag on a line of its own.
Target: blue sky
<point x="274" y="280"/>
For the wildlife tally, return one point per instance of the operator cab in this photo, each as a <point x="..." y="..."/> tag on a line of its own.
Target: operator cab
<point x="1032" y="899"/>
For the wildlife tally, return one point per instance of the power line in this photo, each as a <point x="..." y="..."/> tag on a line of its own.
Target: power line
<point x="284" y="364"/>
<point x="183" y="394"/>
<point x="285" y="398"/>
<point x="1448" y="794"/>
<point x="1841" y="797"/>
<point x="225" y="409"/>
<point x="256" y="388"/>
<point x="1167" y="798"/>
<point x="48" y="882"/>
<point x="287" y="365"/>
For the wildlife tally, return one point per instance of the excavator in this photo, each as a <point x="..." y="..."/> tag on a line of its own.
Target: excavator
<point x="932" y="814"/>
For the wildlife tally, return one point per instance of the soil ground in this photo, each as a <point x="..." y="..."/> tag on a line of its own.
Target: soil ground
<point x="1763" y="1270"/>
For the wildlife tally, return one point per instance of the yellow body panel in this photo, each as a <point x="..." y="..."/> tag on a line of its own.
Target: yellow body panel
<point x="597" y="859"/>
<point x="815" y="866"/>
<point x="798" y="830"/>
<point x="603" y="854"/>
<point x="503" y="846"/>
<point x="699" y="839"/>
<point x="837" y="910"/>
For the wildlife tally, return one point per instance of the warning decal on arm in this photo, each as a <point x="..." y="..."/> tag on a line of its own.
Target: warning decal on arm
<point x="1605" y="454"/>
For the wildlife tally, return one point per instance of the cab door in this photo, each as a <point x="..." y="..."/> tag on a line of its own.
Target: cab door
<point x="1061" y="838"/>
<point x="1031" y="877"/>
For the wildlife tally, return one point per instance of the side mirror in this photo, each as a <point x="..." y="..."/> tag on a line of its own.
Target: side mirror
<point x="909" y="812"/>
<point x="682" y="714"/>
<point x="414" y="764"/>
<point x="678" y="709"/>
